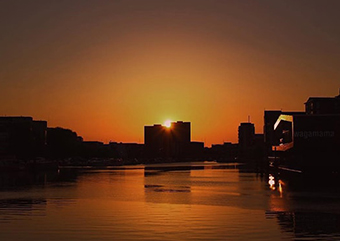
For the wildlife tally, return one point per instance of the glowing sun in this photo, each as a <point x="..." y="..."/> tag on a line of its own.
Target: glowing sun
<point x="167" y="123"/>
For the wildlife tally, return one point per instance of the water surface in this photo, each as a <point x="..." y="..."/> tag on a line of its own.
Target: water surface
<point x="213" y="202"/>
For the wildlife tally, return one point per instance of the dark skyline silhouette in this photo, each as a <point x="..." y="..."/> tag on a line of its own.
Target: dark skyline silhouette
<point x="298" y="139"/>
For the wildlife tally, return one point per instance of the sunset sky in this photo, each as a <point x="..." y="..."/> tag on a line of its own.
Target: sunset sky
<point x="105" y="69"/>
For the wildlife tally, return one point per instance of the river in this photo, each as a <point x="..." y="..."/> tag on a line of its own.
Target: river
<point x="197" y="201"/>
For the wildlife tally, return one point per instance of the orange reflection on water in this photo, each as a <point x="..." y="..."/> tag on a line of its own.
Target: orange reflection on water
<point x="271" y="182"/>
<point x="280" y="187"/>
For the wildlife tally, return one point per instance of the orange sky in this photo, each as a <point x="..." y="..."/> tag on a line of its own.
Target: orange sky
<point x="105" y="69"/>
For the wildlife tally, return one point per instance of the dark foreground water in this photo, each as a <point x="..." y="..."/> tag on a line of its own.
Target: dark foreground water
<point x="217" y="202"/>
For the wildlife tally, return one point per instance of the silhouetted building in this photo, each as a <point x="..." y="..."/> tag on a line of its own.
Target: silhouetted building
<point x="226" y="152"/>
<point x="259" y="139"/>
<point x="323" y="105"/>
<point x="63" y="143"/>
<point x="96" y="149"/>
<point x="181" y="132"/>
<point x="270" y="117"/>
<point x="155" y="140"/>
<point x="127" y="150"/>
<point x="308" y="141"/>
<point x="173" y="141"/>
<point x="39" y="133"/>
<point x="195" y="150"/>
<point x="251" y="145"/>
<point x="22" y="137"/>
<point x="246" y="136"/>
<point x="180" y="138"/>
<point x="258" y="146"/>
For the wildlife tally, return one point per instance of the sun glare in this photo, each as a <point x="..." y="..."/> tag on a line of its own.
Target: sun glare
<point x="167" y="123"/>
